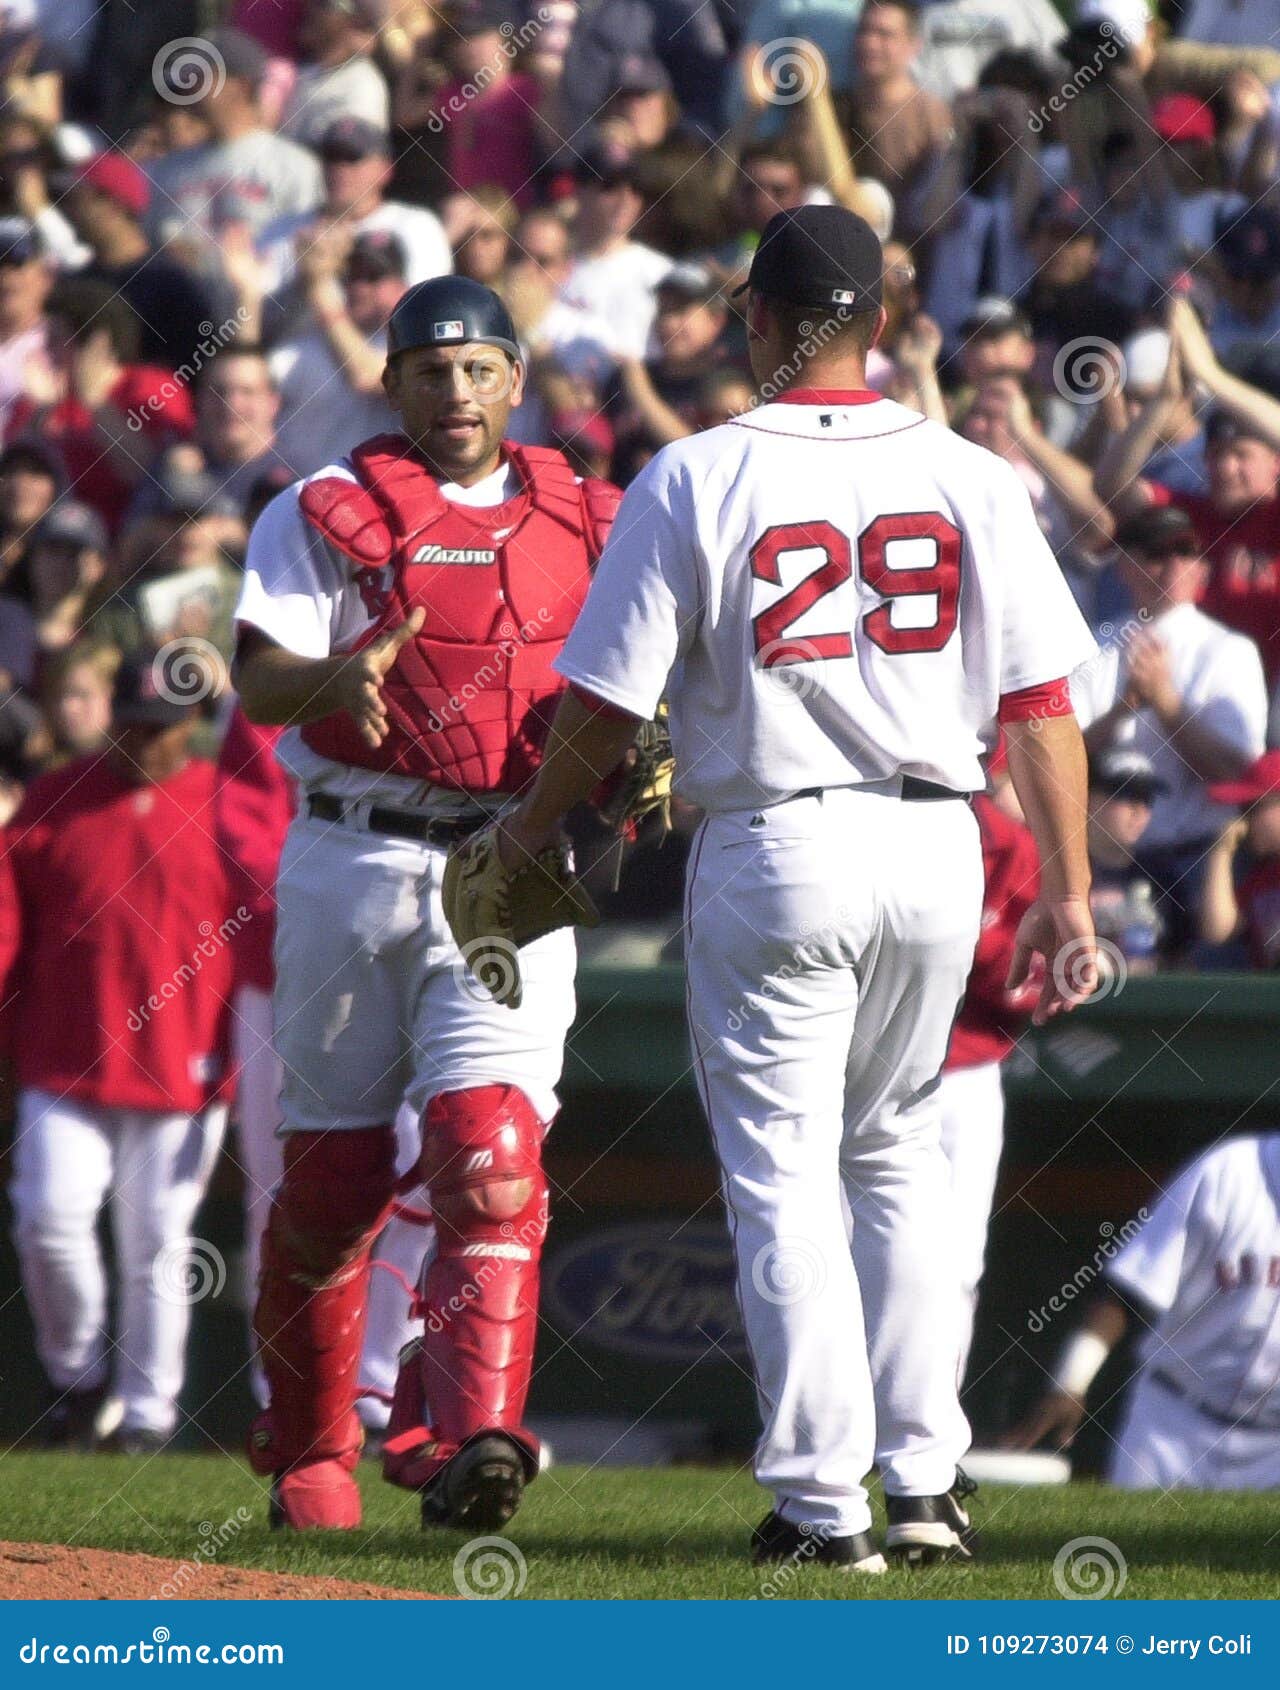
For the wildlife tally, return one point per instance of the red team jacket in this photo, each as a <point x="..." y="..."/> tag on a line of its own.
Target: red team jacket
<point x="115" y="929"/>
<point x="990" y="1018"/>
<point x="252" y="805"/>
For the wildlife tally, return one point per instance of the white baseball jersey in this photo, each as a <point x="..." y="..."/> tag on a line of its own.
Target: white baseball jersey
<point x="840" y="590"/>
<point x="1208" y="1261"/>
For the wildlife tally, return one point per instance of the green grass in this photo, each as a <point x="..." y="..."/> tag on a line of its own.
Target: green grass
<point x="632" y="1532"/>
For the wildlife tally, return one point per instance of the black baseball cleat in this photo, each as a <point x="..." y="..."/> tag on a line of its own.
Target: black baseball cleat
<point x="70" y="1419"/>
<point x="480" y="1489"/>
<point x="925" y="1530"/>
<point x="776" y="1539"/>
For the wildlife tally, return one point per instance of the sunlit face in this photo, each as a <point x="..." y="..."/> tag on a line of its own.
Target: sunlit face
<point x="26" y="494"/>
<point x="685" y="329"/>
<point x="1159" y="580"/>
<point x="347" y="182"/>
<point x="455" y="401"/>
<point x="542" y="245"/>
<point x="1010" y="353"/>
<point x="372" y="299"/>
<point x="767" y="187"/>
<point x="81" y="708"/>
<point x="236" y="409"/>
<point x="483" y="253"/>
<point x="885" y="43"/>
<point x="1241" y="472"/>
<point x="1117" y="820"/>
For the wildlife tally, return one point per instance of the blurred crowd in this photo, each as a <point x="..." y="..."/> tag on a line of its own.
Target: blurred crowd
<point x="208" y="211"/>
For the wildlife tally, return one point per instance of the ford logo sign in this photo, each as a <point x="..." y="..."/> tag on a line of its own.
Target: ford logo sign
<point x="665" y="1291"/>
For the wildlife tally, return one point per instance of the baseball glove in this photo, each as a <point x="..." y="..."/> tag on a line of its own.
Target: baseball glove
<point x="492" y="910"/>
<point x="643" y="784"/>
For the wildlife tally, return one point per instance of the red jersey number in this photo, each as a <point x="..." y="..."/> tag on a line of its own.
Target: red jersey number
<point x="939" y="580"/>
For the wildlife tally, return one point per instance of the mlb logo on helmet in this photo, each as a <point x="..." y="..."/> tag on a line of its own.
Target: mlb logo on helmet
<point x="842" y="296"/>
<point x="452" y="330"/>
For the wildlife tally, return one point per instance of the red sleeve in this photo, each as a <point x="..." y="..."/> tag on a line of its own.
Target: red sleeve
<point x="1050" y="698"/>
<point x="252" y="806"/>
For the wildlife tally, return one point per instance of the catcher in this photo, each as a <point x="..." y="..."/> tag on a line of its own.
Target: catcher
<point x="400" y="612"/>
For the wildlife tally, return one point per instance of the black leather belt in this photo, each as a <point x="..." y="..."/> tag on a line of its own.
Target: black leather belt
<point x="914" y="791"/>
<point x="1246" y="1422"/>
<point x="400" y="824"/>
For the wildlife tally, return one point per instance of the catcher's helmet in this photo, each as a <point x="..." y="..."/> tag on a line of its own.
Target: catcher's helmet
<point x="450" y="311"/>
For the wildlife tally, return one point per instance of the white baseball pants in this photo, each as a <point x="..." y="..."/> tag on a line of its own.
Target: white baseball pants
<point x="374" y="1005"/>
<point x="829" y="939"/>
<point x="70" y="1159"/>
<point x="971" y="1101"/>
<point x="399" y="1250"/>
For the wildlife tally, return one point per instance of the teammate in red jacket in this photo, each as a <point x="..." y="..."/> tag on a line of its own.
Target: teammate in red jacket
<point x="115" y="969"/>
<point x="254" y="801"/>
<point x="989" y="1022"/>
<point x="401" y="612"/>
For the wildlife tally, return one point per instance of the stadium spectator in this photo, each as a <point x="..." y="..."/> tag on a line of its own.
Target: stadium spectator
<point x="338" y="78"/>
<point x="106" y="412"/>
<point x="28" y="158"/>
<point x="109" y="862"/>
<point x="897" y="131"/>
<point x="613" y="276"/>
<point x="1186" y="692"/>
<point x="483" y="223"/>
<point x="657" y="397"/>
<point x="1123" y="786"/>
<point x="1247" y="905"/>
<point x="488" y="108"/>
<point x="174" y="309"/>
<point x="1065" y="301"/>
<point x="243" y="173"/>
<point x="329" y="377"/>
<point x="1238" y="516"/>
<point x="1247" y="254"/>
<point x="356" y="160"/>
<point x="29" y="480"/>
<point x="76" y="690"/>
<point x="237" y="404"/>
<point x="25" y="280"/>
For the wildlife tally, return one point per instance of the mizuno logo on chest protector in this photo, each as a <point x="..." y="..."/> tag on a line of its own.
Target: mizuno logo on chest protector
<point x="453" y="554"/>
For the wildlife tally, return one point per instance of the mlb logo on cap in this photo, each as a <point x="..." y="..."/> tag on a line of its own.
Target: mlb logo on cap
<point x="452" y="330"/>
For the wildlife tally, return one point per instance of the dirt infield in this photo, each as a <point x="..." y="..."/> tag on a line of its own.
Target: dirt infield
<point x="45" y="1571"/>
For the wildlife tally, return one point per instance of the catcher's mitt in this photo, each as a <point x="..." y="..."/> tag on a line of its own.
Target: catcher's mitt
<point x="643" y="784"/>
<point x="492" y="910"/>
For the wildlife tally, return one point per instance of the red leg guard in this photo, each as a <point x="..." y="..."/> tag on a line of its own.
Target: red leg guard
<point x="313" y="1293"/>
<point x="481" y="1161"/>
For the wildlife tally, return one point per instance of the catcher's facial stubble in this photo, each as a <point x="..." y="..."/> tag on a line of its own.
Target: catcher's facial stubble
<point x="454" y="402"/>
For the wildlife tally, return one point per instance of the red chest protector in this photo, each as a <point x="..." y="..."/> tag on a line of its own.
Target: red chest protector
<point x="471" y="698"/>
